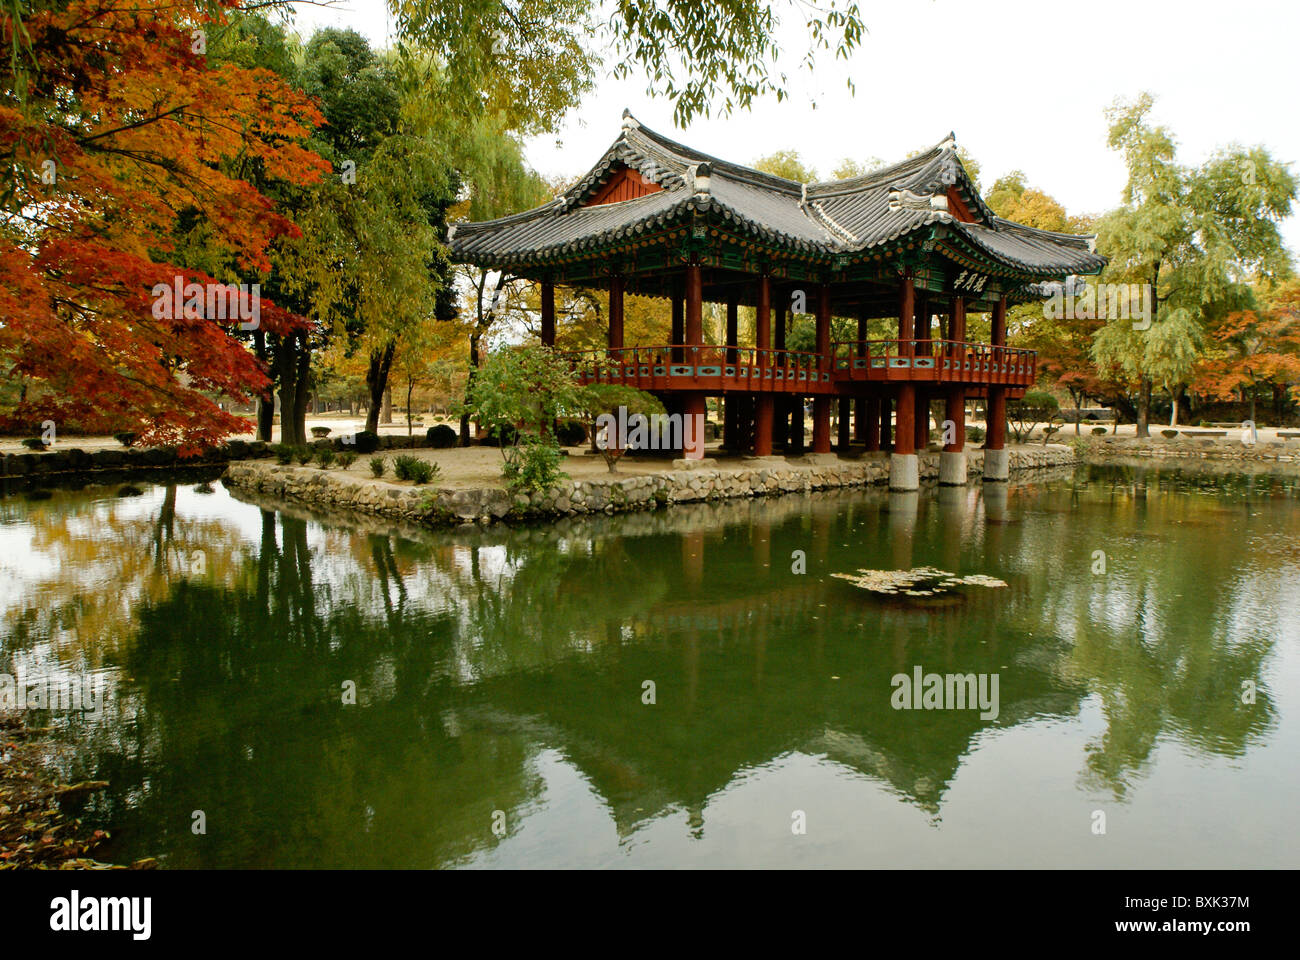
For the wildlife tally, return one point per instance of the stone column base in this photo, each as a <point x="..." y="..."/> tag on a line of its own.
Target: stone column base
<point x="904" y="472"/>
<point x="952" y="468"/>
<point x="996" y="464"/>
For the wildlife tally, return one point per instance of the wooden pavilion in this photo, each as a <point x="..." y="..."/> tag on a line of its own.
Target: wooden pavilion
<point x="912" y="241"/>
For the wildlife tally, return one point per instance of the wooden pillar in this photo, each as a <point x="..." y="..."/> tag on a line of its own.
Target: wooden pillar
<point x="616" y="285"/>
<point x="548" y="313"/>
<point x="694" y="327"/>
<point x="842" y="434"/>
<point x="1000" y="323"/>
<point x="886" y="422"/>
<point x="864" y="415"/>
<point x="872" y="424"/>
<point x="679" y="327"/>
<point x="733" y="324"/>
<point x="995" y="434"/>
<point x="694" y="408"/>
<point x="922" y="422"/>
<point x="955" y="410"/>
<point x="905" y="413"/>
<point x="763" y="344"/>
<point x="955" y="407"/>
<point x="822" y="402"/>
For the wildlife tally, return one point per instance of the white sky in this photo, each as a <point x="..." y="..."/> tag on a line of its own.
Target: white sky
<point x="1022" y="83"/>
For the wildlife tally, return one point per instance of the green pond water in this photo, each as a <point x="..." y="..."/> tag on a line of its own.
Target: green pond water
<point x="501" y="675"/>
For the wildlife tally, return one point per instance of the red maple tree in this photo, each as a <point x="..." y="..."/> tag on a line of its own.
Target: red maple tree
<point x="116" y="131"/>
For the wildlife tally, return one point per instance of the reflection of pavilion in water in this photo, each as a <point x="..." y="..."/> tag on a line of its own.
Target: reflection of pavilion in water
<point x="743" y="651"/>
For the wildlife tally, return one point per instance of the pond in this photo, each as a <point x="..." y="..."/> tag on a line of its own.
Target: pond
<point x="685" y="687"/>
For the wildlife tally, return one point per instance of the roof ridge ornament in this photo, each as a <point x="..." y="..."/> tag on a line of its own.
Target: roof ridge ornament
<point x="629" y="121"/>
<point x="700" y="175"/>
<point x="903" y="199"/>
<point x="949" y="144"/>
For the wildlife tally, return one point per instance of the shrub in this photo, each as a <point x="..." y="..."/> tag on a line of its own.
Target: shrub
<point x="325" y="457"/>
<point x="407" y="467"/>
<point x="377" y="465"/>
<point x="346" y="459"/>
<point x="501" y="436"/>
<point x="1100" y="431"/>
<point x="1168" y="434"/>
<point x="283" y="453"/>
<point x="304" y="455"/>
<point x="442" y="436"/>
<point x="570" y="433"/>
<point x="363" y="441"/>
<point x="126" y="438"/>
<point x="975" y="434"/>
<point x="536" y="467"/>
<point x="34" y="443"/>
<point x="320" y="432"/>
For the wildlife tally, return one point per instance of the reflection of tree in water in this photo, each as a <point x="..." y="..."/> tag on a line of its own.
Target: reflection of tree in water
<point x="472" y="650"/>
<point x="1159" y="638"/>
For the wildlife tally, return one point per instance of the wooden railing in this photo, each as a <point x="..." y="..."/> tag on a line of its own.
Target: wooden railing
<point x="748" y="368"/>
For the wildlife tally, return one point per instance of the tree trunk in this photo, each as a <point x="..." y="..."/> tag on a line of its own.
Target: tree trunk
<point x="410" y="387"/>
<point x="469" y="384"/>
<point x="265" y="402"/>
<point x="304" y="387"/>
<point x="287" y="370"/>
<point x="1144" y="408"/>
<point x="377" y="383"/>
<point x="386" y="415"/>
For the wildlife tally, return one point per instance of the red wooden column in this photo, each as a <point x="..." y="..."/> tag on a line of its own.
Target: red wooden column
<point x="952" y="462"/>
<point x="678" y="335"/>
<point x="616" y="286"/>
<point x="732" y="402"/>
<point x="905" y="416"/>
<point x="763" y="343"/>
<point x="693" y="405"/>
<point x="548" y="313"/>
<point x="822" y="402"/>
<point x="995" y="438"/>
<point x="863" y="414"/>
<point x="781" y="406"/>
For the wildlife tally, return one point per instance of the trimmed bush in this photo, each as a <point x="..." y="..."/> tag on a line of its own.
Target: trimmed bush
<point x="325" y="457"/>
<point x="1168" y="434"/>
<point x="570" y="433"/>
<point x="283" y="453"/>
<point x="34" y="443"/>
<point x="320" y="432"/>
<point x="346" y="459"/>
<point x="441" y="437"/>
<point x="378" y="465"/>
<point x="1100" y="431"/>
<point x="304" y="455"/>
<point x="503" y="436"/>
<point x="126" y="438"/>
<point x="363" y="441"/>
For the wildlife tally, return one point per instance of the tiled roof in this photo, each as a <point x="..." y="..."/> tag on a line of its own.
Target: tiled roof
<point x="833" y="218"/>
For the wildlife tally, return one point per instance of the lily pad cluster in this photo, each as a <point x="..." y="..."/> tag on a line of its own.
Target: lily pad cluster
<point x="917" y="582"/>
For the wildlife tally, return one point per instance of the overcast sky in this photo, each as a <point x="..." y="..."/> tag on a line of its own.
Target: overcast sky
<point x="1022" y="83"/>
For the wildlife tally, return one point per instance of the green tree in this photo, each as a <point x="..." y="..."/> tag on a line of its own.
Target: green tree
<point x="788" y="164"/>
<point x="1195" y="236"/>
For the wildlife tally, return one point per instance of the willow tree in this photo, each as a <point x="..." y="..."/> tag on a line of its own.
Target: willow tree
<point x="1195" y="235"/>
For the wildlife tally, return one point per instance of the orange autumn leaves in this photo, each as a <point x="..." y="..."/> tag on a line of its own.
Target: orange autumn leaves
<point x="139" y="138"/>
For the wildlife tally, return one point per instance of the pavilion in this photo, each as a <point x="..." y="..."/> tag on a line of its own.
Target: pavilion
<point x="912" y="241"/>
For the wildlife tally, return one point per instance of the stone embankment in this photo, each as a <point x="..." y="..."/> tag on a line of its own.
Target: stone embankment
<point x="611" y="494"/>
<point x="1185" y="447"/>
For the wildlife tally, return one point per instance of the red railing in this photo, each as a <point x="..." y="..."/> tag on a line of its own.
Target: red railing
<point x="790" y="371"/>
